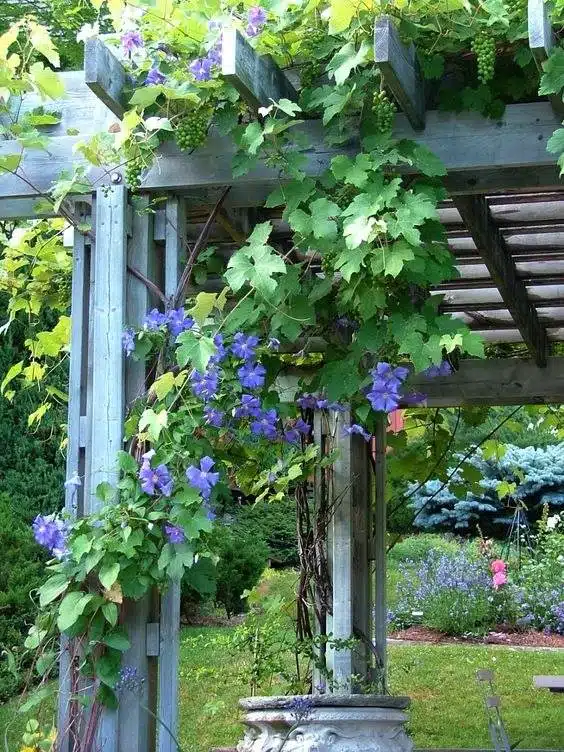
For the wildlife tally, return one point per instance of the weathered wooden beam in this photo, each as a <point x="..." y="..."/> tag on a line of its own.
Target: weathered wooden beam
<point x="257" y="78"/>
<point x="106" y="76"/>
<point x="379" y="543"/>
<point x="541" y="42"/>
<point x="486" y="234"/>
<point x="481" y="155"/>
<point x="399" y="67"/>
<point x="508" y="381"/>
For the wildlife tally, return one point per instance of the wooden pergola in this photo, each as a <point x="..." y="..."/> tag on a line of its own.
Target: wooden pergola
<point x="505" y="224"/>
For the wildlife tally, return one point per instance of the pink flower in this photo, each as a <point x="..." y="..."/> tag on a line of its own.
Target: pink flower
<point x="499" y="579"/>
<point x="498" y="566"/>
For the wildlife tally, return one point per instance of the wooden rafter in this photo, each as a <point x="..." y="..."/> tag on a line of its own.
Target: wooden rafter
<point x="399" y="67"/>
<point x="541" y="41"/>
<point x="486" y="234"/>
<point x="106" y="76"/>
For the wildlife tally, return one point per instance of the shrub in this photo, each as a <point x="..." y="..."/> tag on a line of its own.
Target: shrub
<point x="416" y="547"/>
<point x="20" y="573"/>
<point x="538" y="475"/>
<point x="454" y="592"/>
<point x="275" y="523"/>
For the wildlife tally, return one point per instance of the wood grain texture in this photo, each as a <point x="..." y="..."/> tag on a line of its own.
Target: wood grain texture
<point x="486" y="234"/>
<point x="541" y="36"/>
<point x="105" y="76"/>
<point x="257" y="78"/>
<point x="379" y="543"/>
<point x="508" y="381"/>
<point x="400" y="70"/>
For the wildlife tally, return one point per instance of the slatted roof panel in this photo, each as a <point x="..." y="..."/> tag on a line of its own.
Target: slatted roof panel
<point x="532" y="226"/>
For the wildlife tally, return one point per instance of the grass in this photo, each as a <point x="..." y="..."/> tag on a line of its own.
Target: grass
<point x="447" y="708"/>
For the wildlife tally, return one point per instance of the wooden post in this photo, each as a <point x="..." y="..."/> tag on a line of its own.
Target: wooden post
<point x="175" y="232"/>
<point x="379" y="556"/>
<point x="348" y="542"/>
<point x="137" y="726"/>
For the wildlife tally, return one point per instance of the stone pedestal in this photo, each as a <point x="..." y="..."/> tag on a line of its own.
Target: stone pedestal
<point x="350" y="723"/>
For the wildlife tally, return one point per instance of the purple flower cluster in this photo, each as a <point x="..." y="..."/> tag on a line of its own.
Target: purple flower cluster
<point x="128" y="341"/>
<point x="155" y="480"/>
<point x="176" y="320"/>
<point x="213" y="417"/>
<point x="155" y="77"/>
<point x="205" y="385"/>
<point x="316" y="402"/>
<point x="51" y="532"/>
<point x="355" y="428"/>
<point x="131" y="41"/>
<point x="443" y="369"/>
<point x="265" y="424"/>
<point x="249" y="407"/>
<point x="294" y="431"/>
<point x="301" y="708"/>
<point x="256" y="20"/>
<point x="202" y="478"/>
<point x="202" y="67"/>
<point x="252" y="375"/>
<point x="542" y="607"/>
<point x="384" y="393"/>
<point x="174" y="534"/>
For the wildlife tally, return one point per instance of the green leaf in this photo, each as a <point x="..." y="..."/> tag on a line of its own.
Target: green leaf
<point x="10" y="162"/>
<point x="426" y="162"/>
<point x="81" y="545"/>
<point x="52" y="589"/>
<point x="194" y="350"/>
<point x="253" y="137"/>
<point x="204" y="305"/>
<point x="127" y="463"/>
<point x="552" y="79"/>
<point x="349" y="262"/>
<point x="110" y="611"/>
<point x="117" y="639"/>
<point x="395" y="256"/>
<point x="71" y="609"/>
<point x="41" y="41"/>
<point x="493" y="449"/>
<point x="145" y="96"/>
<point x="48" y="83"/>
<point x="105" y="492"/>
<point x="255" y="264"/>
<point x="163" y="385"/>
<point x="346" y="59"/>
<point x="38" y="697"/>
<point x="555" y="144"/>
<point x="108" y="574"/>
<point x="322" y="213"/>
<point x="342" y="13"/>
<point x="13" y="371"/>
<point x="287" y="106"/>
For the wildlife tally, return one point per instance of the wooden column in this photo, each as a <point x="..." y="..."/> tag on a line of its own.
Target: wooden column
<point x="379" y="547"/>
<point x="169" y="642"/>
<point x="348" y="545"/>
<point x="137" y="726"/>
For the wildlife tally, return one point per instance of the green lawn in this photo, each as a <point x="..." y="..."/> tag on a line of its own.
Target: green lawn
<point x="447" y="708"/>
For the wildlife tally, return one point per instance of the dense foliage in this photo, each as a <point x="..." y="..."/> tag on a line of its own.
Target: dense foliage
<point x="506" y="481"/>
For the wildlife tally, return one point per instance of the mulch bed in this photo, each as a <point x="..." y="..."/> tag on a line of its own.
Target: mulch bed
<point x="499" y="637"/>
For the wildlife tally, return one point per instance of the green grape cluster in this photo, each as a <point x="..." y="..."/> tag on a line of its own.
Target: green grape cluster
<point x="133" y="172"/>
<point x="344" y="195"/>
<point x="483" y="46"/>
<point x="384" y="111"/>
<point x="191" y="130"/>
<point x="516" y="7"/>
<point x="312" y="69"/>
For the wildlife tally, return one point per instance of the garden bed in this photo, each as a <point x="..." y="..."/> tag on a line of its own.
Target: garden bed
<point x="528" y="638"/>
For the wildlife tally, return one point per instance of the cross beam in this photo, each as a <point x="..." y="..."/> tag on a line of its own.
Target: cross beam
<point x="507" y="381"/>
<point x="486" y="234"/>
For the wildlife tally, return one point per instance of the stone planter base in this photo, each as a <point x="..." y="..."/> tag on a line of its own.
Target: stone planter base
<point x="348" y="723"/>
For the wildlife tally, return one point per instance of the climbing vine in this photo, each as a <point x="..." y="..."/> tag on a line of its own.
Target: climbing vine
<point x="351" y="282"/>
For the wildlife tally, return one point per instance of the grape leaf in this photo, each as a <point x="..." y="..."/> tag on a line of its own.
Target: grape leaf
<point x="194" y="350"/>
<point x="552" y="79"/>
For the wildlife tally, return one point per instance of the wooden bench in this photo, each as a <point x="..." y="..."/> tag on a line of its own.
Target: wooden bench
<point x="552" y="683"/>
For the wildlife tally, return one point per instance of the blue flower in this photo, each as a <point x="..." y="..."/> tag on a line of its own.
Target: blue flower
<point x="265" y="424"/>
<point x="213" y="417"/>
<point x="128" y="341"/>
<point x="205" y="385"/>
<point x="201" y="69"/>
<point x="355" y="428"/>
<point x="220" y="350"/>
<point x="244" y="346"/>
<point x="51" y="532"/>
<point x="249" y="407"/>
<point x="174" y="534"/>
<point x="131" y="41"/>
<point x="154" y="320"/>
<point x="307" y="401"/>
<point x="178" y="322"/>
<point x="154" y="77"/>
<point x="252" y="375"/>
<point x="202" y="478"/>
<point x="130" y="681"/>
<point x="257" y="15"/>
<point x="155" y="479"/>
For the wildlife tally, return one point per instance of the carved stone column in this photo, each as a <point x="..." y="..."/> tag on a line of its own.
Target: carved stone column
<point x="349" y="723"/>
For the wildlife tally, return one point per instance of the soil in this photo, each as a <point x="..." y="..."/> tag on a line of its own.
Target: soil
<point x="499" y="637"/>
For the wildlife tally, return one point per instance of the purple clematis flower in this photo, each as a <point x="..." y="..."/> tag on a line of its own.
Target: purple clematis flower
<point x="249" y="407"/>
<point x="307" y="401"/>
<point x="322" y="404"/>
<point x="154" y="320"/>
<point x="202" y="478"/>
<point x="443" y="369"/>
<point x="174" y="534"/>
<point x="220" y="351"/>
<point x="128" y="341"/>
<point x="338" y="407"/>
<point x="214" y="54"/>
<point x="155" y="77"/>
<point x="210" y="513"/>
<point x="201" y="69"/>
<point x="156" y="479"/>
<point x="383" y="398"/>
<point x="292" y="435"/>
<point x="252" y="375"/>
<point x="178" y="322"/>
<point x="131" y="41"/>
<point x="355" y="428"/>
<point x="243" y="346"/>
<point x="205" y="385"/>
<point x="51" y="532"/>
<point x="303" y="427"/>
<point x="257" y="15"/>
<point x="213" y="417"/>
<point x="265" y="424"/>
